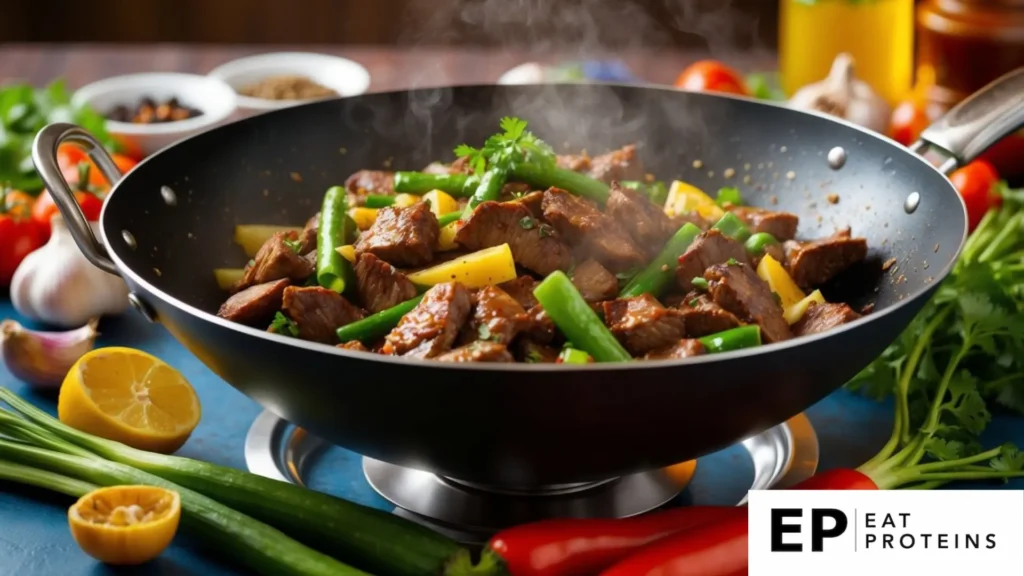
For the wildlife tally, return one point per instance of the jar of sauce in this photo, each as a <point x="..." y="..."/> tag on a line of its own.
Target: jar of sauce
<point x="879" y="34"/>
<point x="962" y="45"/>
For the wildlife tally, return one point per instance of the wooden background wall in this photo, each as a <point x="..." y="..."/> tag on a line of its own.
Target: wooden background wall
<point x="614" y="24"/>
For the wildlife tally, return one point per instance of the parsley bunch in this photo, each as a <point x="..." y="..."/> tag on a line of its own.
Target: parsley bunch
<point x="514" y="144"/>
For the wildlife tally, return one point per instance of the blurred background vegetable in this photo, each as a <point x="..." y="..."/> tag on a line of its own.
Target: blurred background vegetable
<point x="711" y="76"/>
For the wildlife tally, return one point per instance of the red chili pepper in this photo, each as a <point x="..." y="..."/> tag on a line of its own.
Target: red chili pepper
<point x="838" y="479"/>
<point x="717" y="549"/>
<point x="584" y="547"/>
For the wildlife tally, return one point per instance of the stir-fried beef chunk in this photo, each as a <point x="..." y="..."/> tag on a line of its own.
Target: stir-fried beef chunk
<point x="278" y="258"/>
<point x="402" y="236"/>
<point x="781" y="225"/>
<point x="541" y="327"/>
<point x="648" y="224"/>
<point x="702" y="317"/>
<point x="690" y="218"/>
<point x="710" y="248"/>
<point x="534" y="245"/>
<point x="522" y="290"/>
<point x="823" y="317"/>
<point x="431" y="327"/>
<point x="319" y="312"/>
<point x="617" y="165"/>
<point x="533" y="201"/>
<point x="255" y="305"/>
<point x="353" y="345"/>
<point x="497" y="317"/>
<point x="379" y="285"/>
<point x="594" y="281"/>
<point x="307" y="238"/>
<point x="642" y="324"/>
<point x="479" y="351"/>
<point x="736" y="288"/>
<point x="532" y="352"/>
<point x="366" y="182"/>
<point x="574" y="162"/>
<point x="685" y="348"/>
<point x="815" y="263"/>
<point x="595" y="233"/>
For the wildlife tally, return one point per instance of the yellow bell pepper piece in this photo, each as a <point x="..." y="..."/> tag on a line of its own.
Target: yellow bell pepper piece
<point x="779" y="281"/>
<point x="252" y="236"/>
<point x="405" y="200"/>
<point x="228" y="277"/>
<point x="348" y="252"/>
<point x="446" y="239"/>
<point x="482" y="268"/>
<point x="684" y="198"/>
<point x="441" y="202"/>
<point x="794" y="313"/>
<point x="364" y="217"/>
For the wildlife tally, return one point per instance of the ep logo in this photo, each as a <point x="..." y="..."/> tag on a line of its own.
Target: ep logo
<point x="821" y="523"/>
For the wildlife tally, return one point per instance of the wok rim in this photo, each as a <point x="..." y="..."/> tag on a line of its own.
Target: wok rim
<point x="763" y="349"/>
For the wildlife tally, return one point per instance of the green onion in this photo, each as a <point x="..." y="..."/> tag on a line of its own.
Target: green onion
<point x="732" y="227"/>
<point x="735" y="339"/>
<point x="378" y="201"/>
<point x="573" y="356"/>
<point x="729" y="195"/>
<point x="656" y="275"/>
<point x="377" y="325"/>
<point x="448" y="218"/>
<point x="577" y="320"/>
<point x="419" y="183"/>
<point x="759" y="242"/>
<point x="332" y="270"/>
<point x="544" y="176"/>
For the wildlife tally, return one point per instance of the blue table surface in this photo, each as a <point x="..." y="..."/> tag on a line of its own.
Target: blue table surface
<point x="34" y="538"/>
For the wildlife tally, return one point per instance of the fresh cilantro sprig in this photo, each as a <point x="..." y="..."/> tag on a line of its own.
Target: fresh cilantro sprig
<point x="514" y="144"/>
<point x="284" y="326"/>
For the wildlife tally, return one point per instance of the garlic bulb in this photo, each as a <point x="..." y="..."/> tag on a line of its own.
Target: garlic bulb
<point x="842" y="94"/>
<point x="43" y="358"/>
<point x="56" y="284"/>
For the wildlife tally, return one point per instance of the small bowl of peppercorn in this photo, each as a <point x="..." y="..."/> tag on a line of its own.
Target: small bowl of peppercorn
<point x="147" y="112"/>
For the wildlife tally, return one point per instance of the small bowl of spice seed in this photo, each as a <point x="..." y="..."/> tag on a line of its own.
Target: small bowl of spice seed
<point x="147" y="112"/>
<point x="283" y="79"/>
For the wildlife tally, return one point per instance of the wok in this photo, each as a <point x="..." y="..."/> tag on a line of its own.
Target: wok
<point x="169" y="223"/>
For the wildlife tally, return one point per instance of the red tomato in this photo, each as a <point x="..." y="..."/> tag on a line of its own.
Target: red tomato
<point x="712" y="76"/>
<point x="17" y="203"/>
<point x="19" y="237"/>
<point x="45" y="208"/>
<point x="909" y="118"/>
<point x="70" y="156"/>
<point x="975" y="182"/>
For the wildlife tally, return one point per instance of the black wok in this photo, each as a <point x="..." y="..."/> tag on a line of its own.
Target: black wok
<point x="169" y="223"/>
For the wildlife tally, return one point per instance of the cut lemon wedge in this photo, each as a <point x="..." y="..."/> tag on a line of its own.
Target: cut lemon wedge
<point x="129" y="396"/>
<point x="125" y="525"/>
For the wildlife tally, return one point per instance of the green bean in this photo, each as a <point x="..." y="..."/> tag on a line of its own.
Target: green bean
<point x="573" y="356"/>
<point x="332" y="270"/>
<point x="733" y="227"/>
<point x="657" y="192"/>
<point x="577" y="320"/>
<point x="448" y="218"/>
<point x="378" y="201"/>
<point x="729" y="195"/>
<point x="378" y="325"/>
<point x="489" y="188"/>
<point x="458" y="185"/>
<point x="734" y="339"/>
<point x="546" y="176"/>
<point x="757" y="243"/>
<point x="653" y="279"/>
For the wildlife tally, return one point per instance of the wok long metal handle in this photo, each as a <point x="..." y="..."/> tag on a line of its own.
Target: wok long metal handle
<point x="44" y="156"/>
<point x="972" y="126"/>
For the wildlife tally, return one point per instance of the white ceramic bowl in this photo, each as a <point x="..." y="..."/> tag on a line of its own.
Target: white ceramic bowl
<point x="215" y="99"/>
<point x="344" y="76"/>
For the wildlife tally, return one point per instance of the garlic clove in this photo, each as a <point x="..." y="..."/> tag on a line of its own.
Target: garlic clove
<point x="841" y="94"/>
<point x="43" y="359"/>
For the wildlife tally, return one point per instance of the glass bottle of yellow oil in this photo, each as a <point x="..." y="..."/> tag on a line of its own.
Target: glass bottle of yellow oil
<point x="879" y="34"/>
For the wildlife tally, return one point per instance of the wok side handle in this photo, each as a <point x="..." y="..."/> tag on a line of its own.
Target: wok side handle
<point x="972" y="126"/>
<point x="44" y="156"/>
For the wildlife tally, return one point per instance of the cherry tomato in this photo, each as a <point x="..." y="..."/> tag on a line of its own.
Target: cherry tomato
<point x="45" y="208"/>
<point x="70" y="156"/>
<point x="909" y="118"/>
<point x="19" y="237"/>
<point x="17" y="203"/>
<point x="712" y="76"/>
<point x="975" y="182"/>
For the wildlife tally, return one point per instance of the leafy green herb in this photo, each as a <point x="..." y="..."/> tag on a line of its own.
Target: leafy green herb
<point x="777" y="298"/>
<point x="693" y="303"/>
<point x="284" y="326"/>
<point x="526" y="223"/>
<point x="545" y="230"/>
<point x="295" y="245"/>
<point x="732" y="262"/>
<point x="24" y="111"/>
<point x="729" y="195"/>
<point x="533" y="357"/>
<point x="765" y="87"/>
<point x="700" y="283"/>
<point x="514" y="144"/>
<point x="483" y="332"/>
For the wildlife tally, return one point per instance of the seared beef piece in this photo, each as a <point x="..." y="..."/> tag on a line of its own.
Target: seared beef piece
<point x="596" y="234"/>
<point x="703" y="317"/>
<point x="534" y="201"/>
<point x="617" y="165"/>
<point x="353" y="345"/>
<point x="379" y="285"/>
<point x="815" y="263"/>
<point x="692" y="218"/>
<point x="823" y="317"/>
<point x="479" y="351"/>
<point x="255" y="305"/>
<point x="402" y="236"/>
<point x="497" y="317"/>
<point x="275" y="260"/>
<point x="522" y="290"/>
<point x="574" y="162"/>
<point x="648" y="224"/>
<point x="710" y="248"/>
<point x="366" y="182"/>
<point x="738" y="289"/>
<point x="781" y="225"/>
<point x="531" y="352"/>
<point x="776" y="251"/>
<point x="514" y="190"/>
<point x="541" y="327"/>
<point x="594" y="282"/>
<point x="642" y="324"/>
<point x="431" y="327"/>
<point x="685" y="348"/>
<point x="319" y="312"/>
<point x="534" y="245"/>
<point x="460" y="166"/>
